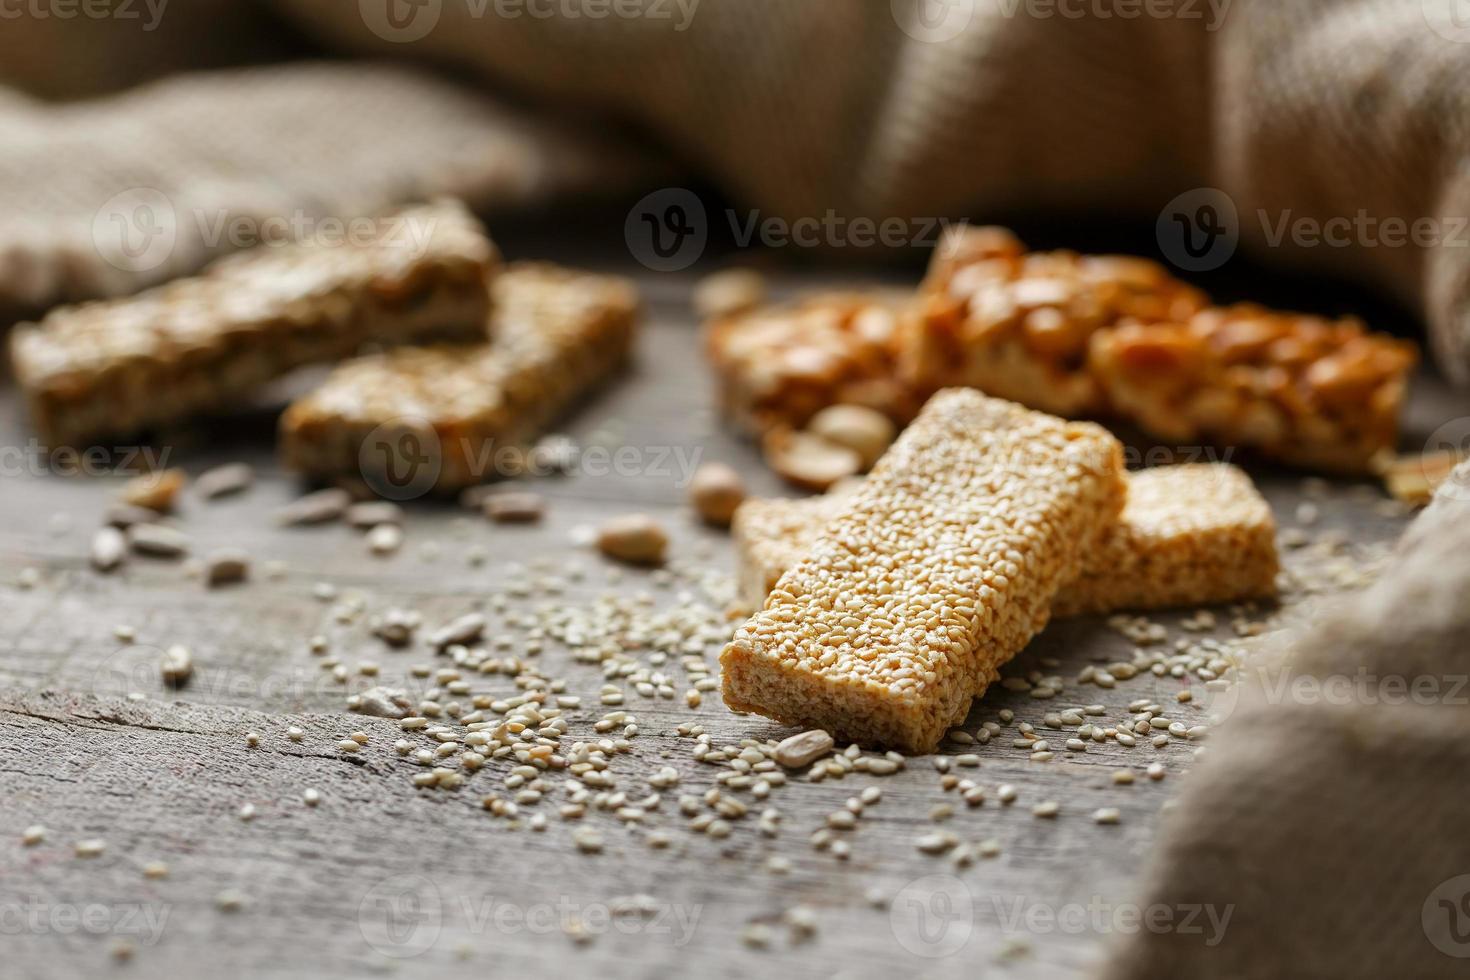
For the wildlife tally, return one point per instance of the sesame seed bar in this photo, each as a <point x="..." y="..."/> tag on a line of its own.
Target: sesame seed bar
<point x="204" y="343"/>
<point x="940" y="568"/>
<point x="777" y="366"/>
<point x="557" y="332"/>
<point x="1191" y="535"/>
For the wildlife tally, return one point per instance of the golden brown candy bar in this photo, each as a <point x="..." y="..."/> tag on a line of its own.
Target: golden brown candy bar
<point x="1118" y="336"/>
<point x="939" y="569"/>
<point x="1017" y="324"/>
<point x="205" y="343"/>
<point x="1191" y="535"/>
<point x="436" y="418"/>
<point x="1310" y="392"/>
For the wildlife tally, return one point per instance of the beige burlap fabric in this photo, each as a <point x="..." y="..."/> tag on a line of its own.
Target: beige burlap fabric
<point x="1301" y="113"/>
<point x="1328" y="817"/>
<point x="107" y="196"/>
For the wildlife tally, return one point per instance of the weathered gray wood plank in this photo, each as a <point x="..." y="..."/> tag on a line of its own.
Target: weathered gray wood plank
<point x="161" y="780"/>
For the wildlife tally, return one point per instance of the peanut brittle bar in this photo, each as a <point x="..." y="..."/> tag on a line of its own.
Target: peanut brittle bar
<point x="1108" y="335"/>
<point x="940" y="567"/>
<point x="557" y="333"/>
<point x="1305" y="390"/>
<point x="1192" y="535"/>
<point x="777" y="366"/>
<point x="203" y="343"/>
<point x="1017" y="324"/>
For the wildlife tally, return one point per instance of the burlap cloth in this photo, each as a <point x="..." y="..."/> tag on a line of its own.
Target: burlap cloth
<point x="1332" y="828"/>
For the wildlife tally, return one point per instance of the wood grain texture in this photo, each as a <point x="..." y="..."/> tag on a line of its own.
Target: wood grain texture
<point x="164" y="778"/>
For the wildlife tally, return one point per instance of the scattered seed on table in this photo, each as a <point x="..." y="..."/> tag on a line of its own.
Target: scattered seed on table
<point x="226" y="566"/>
<point x="154" y="491"/>
<point x="936" y="843"/>
<point x="229" y="900"/>
<point x="91" y="848"/>
<point x="1123" y="777"/>
<point x="385" y="539"/>
<point x="715" y="491"/>
<point x="33" y="835"/>
<point x="158" y="540"/>
<point x="515" y="507"/>
<point x="1107" y="815"/>
<point x="109" y="548"/>
<point x="224" y="480"/>
<point x="311" y="797"/>
<point x="1155" y="771"/>
<point x="252" y="739"/>
<point x="803" y="749"/>
<point x="756" y="935"/>
<point x="634" y="538"/>
<point x="1006" y="793"/>
<point x="315" y="508"/>
<point x="155" y="870"/>
<point x="177" y="666"/>
<point x="1046" y="809"/>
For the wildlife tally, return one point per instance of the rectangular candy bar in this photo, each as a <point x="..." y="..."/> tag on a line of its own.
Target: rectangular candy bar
<point x="938" y="570"/>
<point x="1017" y="324"/>
<point x="1307" y="391"/>
<point x="1193" y="535"/>
<point x="557" y="333"/>
<point x="202" y="344"/>
<point x="777" y="366"/>
<point x="1109" y="335"/>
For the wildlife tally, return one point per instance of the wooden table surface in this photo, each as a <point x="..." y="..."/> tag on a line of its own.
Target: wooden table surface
<point x="383" y="878"/>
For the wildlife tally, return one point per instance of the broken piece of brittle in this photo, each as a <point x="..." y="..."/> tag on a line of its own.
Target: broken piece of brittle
<point x="777" y="366"/>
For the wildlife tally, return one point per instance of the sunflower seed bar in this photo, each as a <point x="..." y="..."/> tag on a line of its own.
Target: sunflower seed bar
<point x="1191" y="535"/>
<point x="202" y="344"/>
<point x="938" y="570"/>
<point x="778" y="366"/>
<point x="557" y="333"/>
